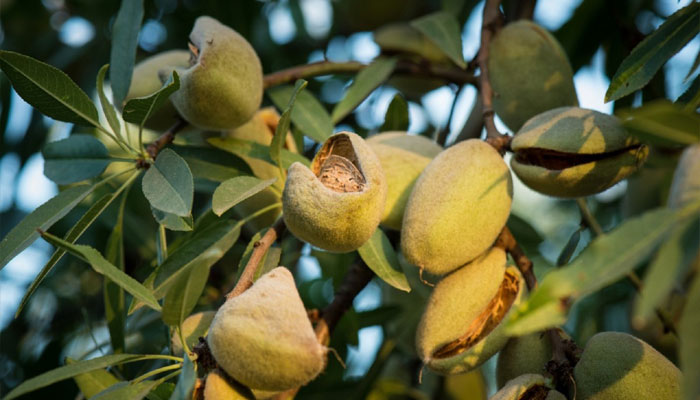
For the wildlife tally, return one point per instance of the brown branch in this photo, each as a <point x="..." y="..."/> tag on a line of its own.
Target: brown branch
<point x="507" y="242"/>
<point x="492" y="22"/>
<point x="259" y="249"/>
<point x="166" y="138"/>
<point x="289" y="75"/>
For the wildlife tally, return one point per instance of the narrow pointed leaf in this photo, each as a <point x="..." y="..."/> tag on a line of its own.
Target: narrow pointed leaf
<point x="104" y="267"/>
<point x="364" y="84"/>
<point x="125" y="34"/>
<point x="93" y="382"/>
<point x="662" y="123"/>
<point x="137" y="111"/>
<point x="652" y="53"/>
<point x="48" y="89"/>
<point x="443" y="29"/>
<point x="74" y="159"/>
<point x="689" y="332"/>
<point x="22" y="235"/>
<point x="283" y="126"/>
<point x="107" y="107"/>
<point x="168" y="184"/>
<point x="247" y="148"/>
<point x="396" y="117"/>
<point x="380" y="257"/>
<point x="185" y="382"/>
<point x="308" y="115"/>
<point x="182" y="296"/>
<point x="212" y="164"/>
<point x="115" y="306"/>
<point x="126" y="390"/>
<point x="568" y="251"/>
<point x="172" y="221"/>
<point x="235" y="190"/>
<point x="71" y="370"/>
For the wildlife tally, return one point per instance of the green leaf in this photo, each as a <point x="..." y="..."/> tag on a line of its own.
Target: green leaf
<point x="607" y="259"/>
<point x="662" y="123"/>
<point x="308" y="115"/>
<point x="653" y="52"/>
<point x="667" y="266"/>
<point x="182" y="296"/>
<point x="104" y="267"/>
<point x="691" y="97"/>
<point x="283" y="126"/>
<point x="115" y="311"/>
<point x="270" y="261"/>
<point x="168" y="184"/>
<point x="172" y="221"/>
<point x="248" y="252"/>
<point x="93" y="382"/>
<point x="48" y="89"/>
<point x="365" y="82"/>
<point x="137" y="111"/>
<point x="71" y="370"/>
<point x="443" y="29"/>
<point x="212" y="164"/>
<point x="396" y="117"/>
<point x="107" y="107"/>
<point x="381" y="258"/>
<point x="185" y="383"/>
<point x="126" y="390"/>
<point x="22" y="235"/>
<point x="247" y="148"/>
<point x="162" y="392"/>
<point x="689" y="348"/>
<point x="204" y="248"/>
<point x="568" y="251"/>
<point x="74" y="159"/>
<point x="235" y="190"/>
<point x="125" y="34"/>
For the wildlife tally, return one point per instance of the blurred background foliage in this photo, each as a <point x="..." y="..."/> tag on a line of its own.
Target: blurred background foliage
<point x="65" y="316"/>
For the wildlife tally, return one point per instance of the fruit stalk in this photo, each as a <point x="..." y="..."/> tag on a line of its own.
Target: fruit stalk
<point x="166" y="138"/>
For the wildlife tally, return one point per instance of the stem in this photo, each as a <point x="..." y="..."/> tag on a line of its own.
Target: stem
<point x="259" y="250"/>
<point x="492" y="21"/>
<point x="451" y="74"/>
<point x="445" y="131"/>
<point x="156" y="372"/>
<point x="124" y="146"/>
<point x="507" y="242"/>
<point x="162" y="244"/>
<point x="588" y="219"/>
<point x="165" y="139"/>
<point x="185" y="347"/>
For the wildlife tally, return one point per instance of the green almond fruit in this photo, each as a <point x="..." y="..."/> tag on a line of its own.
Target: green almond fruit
<point x="523" y="355"/>
<point x="338" y="202"/>
<point x="220" y="387"/>
<point x="527" y="387"/>
<point x="224" y="86"/>
<point x="193" y="327"/>
<point x="457" y="208"/>
<point x="529" y="73"/>
<point x="617" y="365"/>
<point x="145" y="81"/>
<point x="261" y="129"/>
<point x="461" y="326"/>
<point x="403" y="158"/>
<point x="263" y="338"/>
<point x="685" y="188"/>
<point x="574" y="152"/>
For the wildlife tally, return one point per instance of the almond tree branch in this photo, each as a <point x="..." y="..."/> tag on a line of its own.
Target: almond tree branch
<point x="166" y="138"/>
<point x="492" y="22"/>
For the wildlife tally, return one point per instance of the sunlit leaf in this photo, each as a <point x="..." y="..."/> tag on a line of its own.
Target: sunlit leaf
<point x="308" y="115"/>
<point x="381" y="258"/>
<point x="139" y="110"/>
<point x="283" y="126"/>
<point x="662" y="123"/>
<point x="235" y="190"/>
<point x="365" y="82"/>
<point x="247" y="148"/>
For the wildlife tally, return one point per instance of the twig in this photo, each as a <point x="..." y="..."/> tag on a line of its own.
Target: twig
<point x="492" y="22"/>
<point x="445" y="131"/>
<point x="166" y="138"/>
<point x="474" y="123"/>
<point x="589" y="220"/>
<point x="451" y="74"/>
<point x="507" y="242"/>
<point x="259" y="249"/>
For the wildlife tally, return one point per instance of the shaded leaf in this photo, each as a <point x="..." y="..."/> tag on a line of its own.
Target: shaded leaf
<point x="662" y="123"/>
<point x="162" y="391"/>
<point x="691" y="97"/>
<point x="168" y="184"/>
<point x="212" y="164"/>
<point x="48" y="89"/>
<point x="247" y="148"/>
<point x="74" y="159"/>
<point x="443" y="29"/>
<point x="381" y="258"/>
<point x="126" y="390"/>
<point x="608" y="258"/>
<point x="568" y="251"/>
<point x="115" y="312"/>
<point x="653" y="52"/>
<point x="107" y="107"/>
<point x="204" y="248"/>
<point x="283" y="126"/>
<point x="524" y="233"/>
<point x="185" y="382"/>
<point x="365" y="82"/>
<point x="665" y="269"/>
<point x="235" y="190"/>
<point x="172" y="221"/>
<point x="270" y="261"/>
<point x="396" y="117"/>
<point x="104" y="267"/>
<point x="93" y="382"/>
<point x="24" y="233"/>
<point x="182" y="296"/>
<point x="125" y="34"/>
<point x="71" y="370"/>
<point x="308" y="115"/>
<point x="689" y="332"/>
<point x="139" y="110"/>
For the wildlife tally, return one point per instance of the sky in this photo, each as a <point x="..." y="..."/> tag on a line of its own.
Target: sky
<point x="29" y="188"/>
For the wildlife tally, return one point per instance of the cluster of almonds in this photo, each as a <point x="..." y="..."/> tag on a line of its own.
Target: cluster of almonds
<point x="449" y="205"/>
